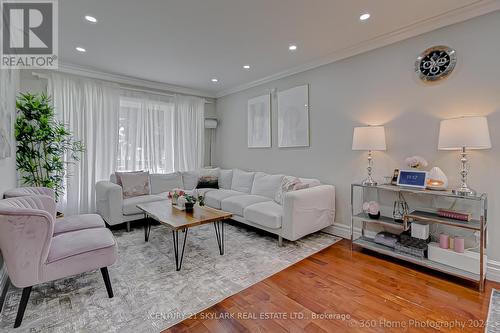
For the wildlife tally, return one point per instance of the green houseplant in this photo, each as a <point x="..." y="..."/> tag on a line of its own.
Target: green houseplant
<point x="44" y="145"/>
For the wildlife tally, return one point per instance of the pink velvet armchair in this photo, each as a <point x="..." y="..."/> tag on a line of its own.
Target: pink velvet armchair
<point x="35" y="251"/>
<point x="29" y="191"/>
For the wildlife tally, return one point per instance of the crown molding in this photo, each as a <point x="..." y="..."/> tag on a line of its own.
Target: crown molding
<point x="74" y="69"/>
<point x="461" y="14"/>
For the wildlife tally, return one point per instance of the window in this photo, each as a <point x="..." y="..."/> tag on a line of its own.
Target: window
<point x="146" y="135"/>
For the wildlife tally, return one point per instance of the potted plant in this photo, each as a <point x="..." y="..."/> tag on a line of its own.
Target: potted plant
<point x="190" y="201"/>
<point x="45" y="146"/>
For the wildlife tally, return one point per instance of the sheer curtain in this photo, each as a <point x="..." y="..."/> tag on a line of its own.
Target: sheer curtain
<point x="189" y="133"/>
<point x="90" y="108"/>
<point x="146" y="133"/>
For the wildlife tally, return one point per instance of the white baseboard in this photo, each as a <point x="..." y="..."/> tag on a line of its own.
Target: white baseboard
<point x="341" y="230"/>
<point x="344" y="231"/>
<point x="493" y="270"/>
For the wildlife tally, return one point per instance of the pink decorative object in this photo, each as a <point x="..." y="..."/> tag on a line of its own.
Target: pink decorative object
<point x="459" y="244"/>
<point x="372" y="208"/>
<point x="416" y="162"/>
<point x="444" y="241"/>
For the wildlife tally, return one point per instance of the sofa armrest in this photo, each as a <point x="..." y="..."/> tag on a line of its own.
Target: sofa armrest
<point x="109" y="201"/>
<point x="307" y="211"/>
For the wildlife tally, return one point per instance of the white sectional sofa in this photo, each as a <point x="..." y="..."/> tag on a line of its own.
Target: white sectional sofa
<point x="249" y="196"/>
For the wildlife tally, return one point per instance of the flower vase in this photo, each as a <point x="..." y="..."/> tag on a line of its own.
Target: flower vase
<point x="174" y="201"/>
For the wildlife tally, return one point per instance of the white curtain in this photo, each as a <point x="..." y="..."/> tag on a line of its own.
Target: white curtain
<point x="9" y="87"/>
<point x="189" y="133"/>
<point x="90" y="109"/>
<point x="146" y="133"/>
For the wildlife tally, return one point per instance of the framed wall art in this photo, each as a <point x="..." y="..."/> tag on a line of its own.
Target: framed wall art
<point x="293" y="117"/>
<point x="259" y="122"/>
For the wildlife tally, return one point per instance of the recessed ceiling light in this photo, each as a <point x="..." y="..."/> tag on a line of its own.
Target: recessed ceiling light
<point x="80" y="49"/>
<point x="246" y="66"/>
<point x="214" y="80"/>
<point x="91" y="19"/>
<point x="292" y="47"/>
<point x="364" y="16"/>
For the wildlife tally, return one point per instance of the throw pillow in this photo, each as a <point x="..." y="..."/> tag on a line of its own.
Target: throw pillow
<point x="118" y="175"/>
<point x="135" y="184"/>
<point x="190" y="179"/>
<point x="225" y="179"/>
<point x="288" y="184"/>
<point x="209" y="178"/>
<point x="242" y="181"/>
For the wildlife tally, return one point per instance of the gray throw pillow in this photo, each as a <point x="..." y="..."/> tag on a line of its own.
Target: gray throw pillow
<point x="135" y="184"/>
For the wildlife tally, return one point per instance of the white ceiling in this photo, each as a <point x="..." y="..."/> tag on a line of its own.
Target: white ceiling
<point x="187" y="42"/>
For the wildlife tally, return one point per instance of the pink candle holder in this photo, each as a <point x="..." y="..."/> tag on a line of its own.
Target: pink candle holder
<point x="459" y="244"/>
<point x="443" y="241"/>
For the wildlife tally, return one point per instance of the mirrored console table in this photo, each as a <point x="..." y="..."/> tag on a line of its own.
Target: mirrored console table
<point x="423" y="206"/>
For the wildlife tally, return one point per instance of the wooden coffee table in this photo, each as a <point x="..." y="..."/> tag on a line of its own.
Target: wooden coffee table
<point x="180" y="220"/>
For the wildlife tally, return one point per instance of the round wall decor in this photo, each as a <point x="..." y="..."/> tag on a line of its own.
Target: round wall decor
<point x="435" y="63"/>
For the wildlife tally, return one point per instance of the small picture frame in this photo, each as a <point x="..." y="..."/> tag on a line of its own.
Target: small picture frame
<point x="412" y="178"/>
<point x="394" y="180"/>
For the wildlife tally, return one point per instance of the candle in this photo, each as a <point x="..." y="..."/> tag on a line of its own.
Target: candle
<point x="459" y="244"/>
<point x="443" y="241"/>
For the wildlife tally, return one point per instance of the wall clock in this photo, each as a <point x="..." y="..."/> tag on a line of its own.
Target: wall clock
<point x="435" y="63"/>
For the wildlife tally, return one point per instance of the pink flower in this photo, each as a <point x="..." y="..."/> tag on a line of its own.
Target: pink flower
<point x="416" y="162"/>
<point x="371" y="207"/>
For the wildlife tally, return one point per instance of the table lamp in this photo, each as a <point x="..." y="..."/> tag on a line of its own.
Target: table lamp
<point x="462" y="134"/>
<point x="371" y="138"/>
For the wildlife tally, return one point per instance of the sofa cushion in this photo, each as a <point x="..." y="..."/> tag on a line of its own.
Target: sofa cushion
<point x="242" y="181"/>
<point x="165" y="182"/>
<point x="214" y="198"/>
<point x="266" y="185"/>
<point x="130" y="204"/>
<point x="190" y="179"/>
<point x="237" y="204"/>
<point x="135" y="184"/>
<point x="78" y="222"/>
<point x="225" y="178"/>
<point x="268" y="214"/>
<point x="73" y="243"/>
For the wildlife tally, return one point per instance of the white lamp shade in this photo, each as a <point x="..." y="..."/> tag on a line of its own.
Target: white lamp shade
<point x="368" y="138"/>
<point x="468" y="132"/>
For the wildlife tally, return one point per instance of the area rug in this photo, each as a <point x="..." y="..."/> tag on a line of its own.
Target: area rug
<point x="493" y="321"/>
<point x="150" y="295"/>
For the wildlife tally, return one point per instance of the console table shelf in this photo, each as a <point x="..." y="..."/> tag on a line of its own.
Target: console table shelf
<point x="427" y="215"/>
<point x="383" y="220"/>
<point x="371" y="245"/>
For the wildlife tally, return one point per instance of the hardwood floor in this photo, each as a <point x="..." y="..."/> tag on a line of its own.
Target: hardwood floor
<point x="337" y="290"/>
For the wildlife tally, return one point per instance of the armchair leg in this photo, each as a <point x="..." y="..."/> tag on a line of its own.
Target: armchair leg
<point x="4" y="293"/>
<point x="107" y="282"/>
<point x="22" y="306"/>
<point x="128" y="226"/>
<point x="280" y="241"/>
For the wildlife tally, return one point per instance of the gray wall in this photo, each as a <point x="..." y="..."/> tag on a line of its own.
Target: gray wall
<point x="380" y="87"/>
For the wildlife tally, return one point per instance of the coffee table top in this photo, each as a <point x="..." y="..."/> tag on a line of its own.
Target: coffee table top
<point x="163" y="212"/>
